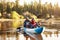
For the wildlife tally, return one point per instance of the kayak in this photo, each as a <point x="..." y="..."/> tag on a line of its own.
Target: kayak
<point x="37" y="30"/>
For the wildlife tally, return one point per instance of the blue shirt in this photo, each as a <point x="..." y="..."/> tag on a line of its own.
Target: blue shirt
<point x="26" y="22"/>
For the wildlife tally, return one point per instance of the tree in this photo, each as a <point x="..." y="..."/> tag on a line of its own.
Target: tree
<point x="1" y="7"/>
<point x="8" y="9"/>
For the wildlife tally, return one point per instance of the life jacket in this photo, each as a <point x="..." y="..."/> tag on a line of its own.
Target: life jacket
<point x="33" y="23"/>
<point x="26" y="23"/>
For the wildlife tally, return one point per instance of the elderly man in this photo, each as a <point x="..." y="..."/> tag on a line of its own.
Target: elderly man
<point x="27" y="25"/>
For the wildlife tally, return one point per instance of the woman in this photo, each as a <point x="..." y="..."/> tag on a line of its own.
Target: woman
<point x="33" y="23"/>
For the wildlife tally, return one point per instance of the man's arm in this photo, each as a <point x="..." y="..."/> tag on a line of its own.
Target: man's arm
<point x="24" y="24"/>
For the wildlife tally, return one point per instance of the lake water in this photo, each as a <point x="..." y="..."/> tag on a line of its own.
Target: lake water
<point x="48" y="34"/>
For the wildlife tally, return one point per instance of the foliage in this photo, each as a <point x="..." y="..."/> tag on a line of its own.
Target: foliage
<point x="38" y="9"/>
<point x="1" y="7"/>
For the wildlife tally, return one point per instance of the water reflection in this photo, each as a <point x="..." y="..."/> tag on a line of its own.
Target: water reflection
<point x="8" y="25"/>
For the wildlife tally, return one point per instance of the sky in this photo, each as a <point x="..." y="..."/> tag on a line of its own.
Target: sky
<point x="21" y="2"/>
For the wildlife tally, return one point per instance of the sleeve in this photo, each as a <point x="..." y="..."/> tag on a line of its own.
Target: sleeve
<point x="37" y="25"/>
<point x="24" y="24"/>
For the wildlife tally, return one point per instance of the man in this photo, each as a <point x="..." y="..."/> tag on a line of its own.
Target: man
<point x="27" y="25"/>
<point x="27" y="22"/>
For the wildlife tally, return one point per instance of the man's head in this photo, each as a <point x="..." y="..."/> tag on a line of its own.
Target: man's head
<point x="27" y="18"/>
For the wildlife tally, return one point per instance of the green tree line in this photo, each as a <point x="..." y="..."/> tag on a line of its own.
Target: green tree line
<point x="39" y="10"/>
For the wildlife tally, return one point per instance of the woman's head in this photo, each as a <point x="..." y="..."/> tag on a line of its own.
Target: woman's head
<point x="33" y="19"/>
